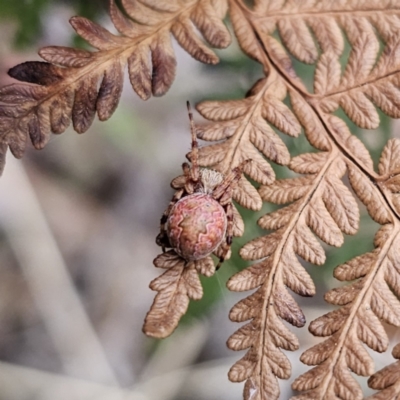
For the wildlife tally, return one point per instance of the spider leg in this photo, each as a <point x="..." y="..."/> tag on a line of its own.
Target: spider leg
<point x="162" y="238"/>
<point x="223" y="194"/>
<point x="226" y="246"/>
<point x="220" y="192"/>
<point x="189" y="184"/>
<point x="194" y="154"/>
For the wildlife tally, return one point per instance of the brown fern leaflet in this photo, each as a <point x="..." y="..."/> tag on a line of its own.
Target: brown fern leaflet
<point x="175" y="288"/>
<point x="387" y="379"/>
<point x="244" y="122"/>
<point x="76" y="84"/>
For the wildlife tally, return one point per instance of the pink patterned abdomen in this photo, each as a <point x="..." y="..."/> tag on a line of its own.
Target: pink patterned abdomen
<point x="196" y="226"/>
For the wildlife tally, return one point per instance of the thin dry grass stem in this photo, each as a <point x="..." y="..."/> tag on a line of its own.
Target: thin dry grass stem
<point x="73" y="335"/>
<point x="21" y="382"/>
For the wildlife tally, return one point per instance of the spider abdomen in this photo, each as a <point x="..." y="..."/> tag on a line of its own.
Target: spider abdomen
<point x="196" y="226"/>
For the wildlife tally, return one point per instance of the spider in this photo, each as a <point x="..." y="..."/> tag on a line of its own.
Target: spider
<point x="199" y="218"/>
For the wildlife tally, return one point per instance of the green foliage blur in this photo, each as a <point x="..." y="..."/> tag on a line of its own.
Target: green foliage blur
<point x="28" y="15"/>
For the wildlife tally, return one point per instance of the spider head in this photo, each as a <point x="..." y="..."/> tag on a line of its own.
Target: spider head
<point x="209" y="179"/>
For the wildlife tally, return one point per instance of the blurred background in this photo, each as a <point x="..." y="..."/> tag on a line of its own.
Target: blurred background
<point x="78" y="222"/>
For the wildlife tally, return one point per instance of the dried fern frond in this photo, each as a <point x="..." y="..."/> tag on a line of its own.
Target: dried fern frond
<point x="175" y="287"/>
<point x="76" y="84"/>
<point x="243" y="133"/>
<point x="319" y="202"/>
<point x="365" y="303"/>
<point x="387" y="380"/>
<point x="307" y="28"/>
<point x="312" y="32"/>
<point x="366" y="82"/>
